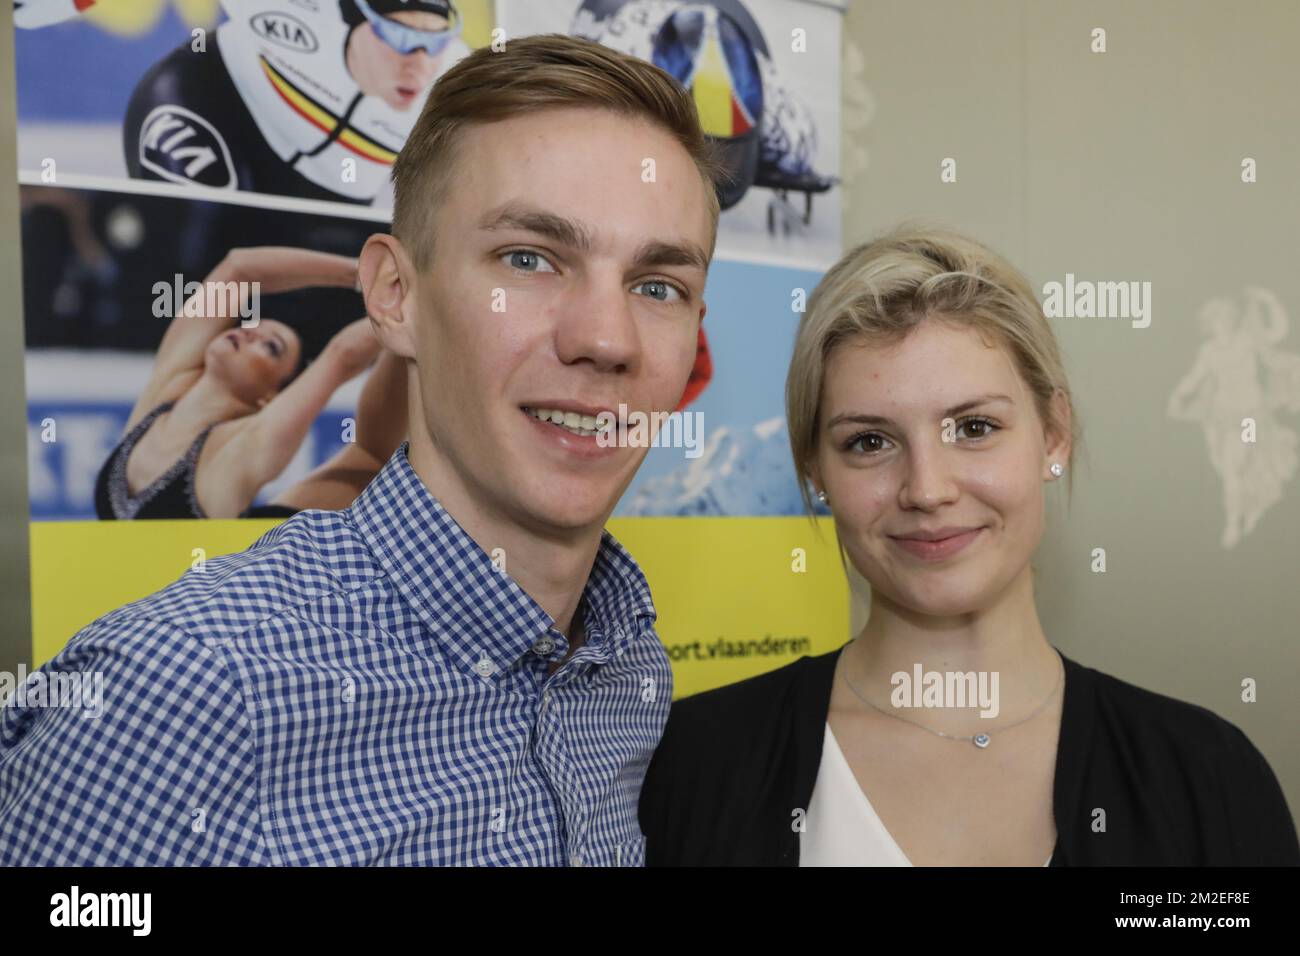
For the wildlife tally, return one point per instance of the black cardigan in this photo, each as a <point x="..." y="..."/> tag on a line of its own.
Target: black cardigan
<point x="1179" y="784"/>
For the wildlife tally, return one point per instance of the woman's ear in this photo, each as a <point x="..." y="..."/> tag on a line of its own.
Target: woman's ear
<point x="387" y="280"/>
<point x="1057" y="438"/>
<point x="815" y="475"/>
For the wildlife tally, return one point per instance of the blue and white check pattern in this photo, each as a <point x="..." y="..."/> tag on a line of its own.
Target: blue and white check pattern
<point x="358" y="687"/>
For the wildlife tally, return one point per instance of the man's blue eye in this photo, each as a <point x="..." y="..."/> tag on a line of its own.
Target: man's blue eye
<point x="661" y="290"/>
<point x="525" y="260"/>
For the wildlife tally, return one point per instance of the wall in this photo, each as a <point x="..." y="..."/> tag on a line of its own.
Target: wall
<point x="1123" y="165"/>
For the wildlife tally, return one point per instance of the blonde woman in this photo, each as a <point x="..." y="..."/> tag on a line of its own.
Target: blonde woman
<point x="928" y="407"/>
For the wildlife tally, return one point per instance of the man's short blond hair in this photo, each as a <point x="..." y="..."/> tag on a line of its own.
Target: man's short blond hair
<point x="544" y="71"/>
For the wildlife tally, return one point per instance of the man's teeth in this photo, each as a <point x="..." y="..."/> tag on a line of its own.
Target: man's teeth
<point x="584" y="425"/>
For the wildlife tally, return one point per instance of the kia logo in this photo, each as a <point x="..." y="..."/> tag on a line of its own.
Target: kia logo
<point x="287" y="31"/>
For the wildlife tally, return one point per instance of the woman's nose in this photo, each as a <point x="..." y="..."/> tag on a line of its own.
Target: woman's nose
<point x="929" y="481"/>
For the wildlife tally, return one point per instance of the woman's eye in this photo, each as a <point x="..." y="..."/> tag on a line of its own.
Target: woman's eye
<point x="983" y="427"/>
<point x="872" y="442"/>
<point x="661" y="290"/>
<point x="525" y="260"/>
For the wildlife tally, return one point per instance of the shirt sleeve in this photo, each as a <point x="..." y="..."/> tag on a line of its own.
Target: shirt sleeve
<point x="153" y="764"/>
<point x="1262" y="827"/>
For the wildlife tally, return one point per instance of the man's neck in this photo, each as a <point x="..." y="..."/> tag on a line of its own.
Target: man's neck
<point x="553" y="571"/>
<point x="577" y="635"/>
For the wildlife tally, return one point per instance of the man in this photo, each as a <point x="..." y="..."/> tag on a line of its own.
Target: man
<point x="462" y="666"/>
<point x="304" y="101"/>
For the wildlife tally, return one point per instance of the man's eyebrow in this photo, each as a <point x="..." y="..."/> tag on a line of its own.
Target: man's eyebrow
<point x="658" y="253"/>
<point x="530" y="219"/>
<point x="575" y="235"/>
<point x="950" y="413"/>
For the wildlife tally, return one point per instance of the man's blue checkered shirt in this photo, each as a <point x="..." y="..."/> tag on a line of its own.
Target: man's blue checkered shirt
<point x="358" y="687"/>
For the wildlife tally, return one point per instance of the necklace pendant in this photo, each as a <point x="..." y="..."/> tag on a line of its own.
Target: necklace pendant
<point x="980" y="740"/>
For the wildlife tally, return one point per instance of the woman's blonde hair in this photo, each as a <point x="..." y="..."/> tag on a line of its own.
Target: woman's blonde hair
<point x="883" y="289"/>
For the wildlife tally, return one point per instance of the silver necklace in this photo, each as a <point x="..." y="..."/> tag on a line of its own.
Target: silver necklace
<point x="979" y="740"/>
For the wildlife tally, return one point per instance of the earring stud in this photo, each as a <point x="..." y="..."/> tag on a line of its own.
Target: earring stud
<point x="821" y="496"/>
<point x="1057" y="469"/>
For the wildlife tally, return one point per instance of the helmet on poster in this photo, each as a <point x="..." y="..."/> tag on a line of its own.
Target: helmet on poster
<point x="715" y="50"/>
<point x="443" y="8"/>
<point x="708" y="53"/>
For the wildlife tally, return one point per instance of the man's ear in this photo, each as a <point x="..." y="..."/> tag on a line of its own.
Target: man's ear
<point x="387" y="278"/>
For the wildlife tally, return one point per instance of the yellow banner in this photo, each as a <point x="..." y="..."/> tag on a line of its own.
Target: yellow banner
<point x="736" y="596"/>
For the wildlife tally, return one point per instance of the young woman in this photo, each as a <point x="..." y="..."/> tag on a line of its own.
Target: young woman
<point x="928" y="406"/>
<point x="225" y="408"/>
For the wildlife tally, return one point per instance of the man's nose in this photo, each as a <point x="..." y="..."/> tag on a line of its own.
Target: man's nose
<point x="596" y="322"/>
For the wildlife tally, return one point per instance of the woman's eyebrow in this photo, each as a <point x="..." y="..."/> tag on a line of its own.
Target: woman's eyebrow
<point x="861" y="419"/>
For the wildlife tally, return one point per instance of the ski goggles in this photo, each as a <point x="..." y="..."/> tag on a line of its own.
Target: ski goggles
<point x="406" y="39"/>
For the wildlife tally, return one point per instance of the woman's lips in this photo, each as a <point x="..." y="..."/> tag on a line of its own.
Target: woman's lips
<point x="937" y="550"/>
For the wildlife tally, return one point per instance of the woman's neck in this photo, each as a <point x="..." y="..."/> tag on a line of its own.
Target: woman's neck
<point x="207" y="402"/>
<point x="1005" y="639"/>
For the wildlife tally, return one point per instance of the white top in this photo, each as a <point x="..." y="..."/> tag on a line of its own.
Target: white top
<point x="842" y="828"/>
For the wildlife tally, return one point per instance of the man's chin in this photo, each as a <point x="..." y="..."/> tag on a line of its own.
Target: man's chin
<point x="568" y="509"/>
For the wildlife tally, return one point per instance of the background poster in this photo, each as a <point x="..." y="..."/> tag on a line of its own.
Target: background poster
<point x="294" y="98"/>
<point x="144" y="160"/>
<point x="765" y="76"/>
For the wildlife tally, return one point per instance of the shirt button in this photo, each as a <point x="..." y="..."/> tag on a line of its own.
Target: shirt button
<point x="575" y="860"/>
<point x="543" y="647"/>
<point x="485" y="668"/>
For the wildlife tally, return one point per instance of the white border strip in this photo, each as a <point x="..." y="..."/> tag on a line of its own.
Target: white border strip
<point x="147" y="187"/>
<point x="319" y="207"/>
